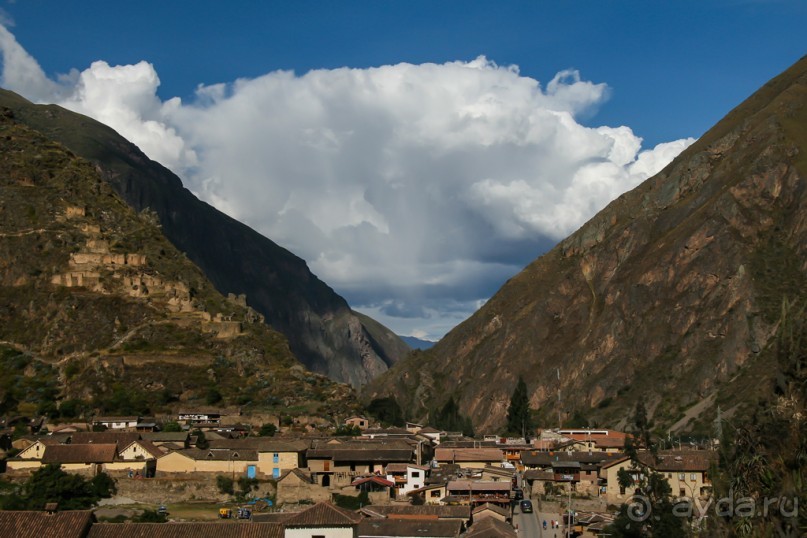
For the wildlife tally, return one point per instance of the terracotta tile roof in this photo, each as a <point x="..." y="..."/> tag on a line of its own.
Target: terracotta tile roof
<point x="130" y="418"/>
<point x="491" y="528"/>
<point x="186" y="530"/>
<point x="165" y="437"/>
<point x="90" y="453"/>
<point x="401" y="467"/>
<point x="468" y="454"/>
<point x="466" y="485"/>
<point x="298" y="473"/>
<point x="441" y="511"/>
<point x="323" y="514"/>
<point x="262" y="444"/>
<point x="363" y="454"/>
<point x="493" y="508"/>
<point x="149" y="447"/>
<point x="121" y="438"/>
<point x="68" y="524"/>
<point x="375" y="479"/>
<point x="219" y="454"/>
<point x="676" y="461"/>
<point x="410" y="527"/>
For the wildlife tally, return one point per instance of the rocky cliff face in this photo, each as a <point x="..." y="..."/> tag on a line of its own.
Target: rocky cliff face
<point x="97" y="306"/>
<point x="323" y="332"/>
<point x="672" y="294"/>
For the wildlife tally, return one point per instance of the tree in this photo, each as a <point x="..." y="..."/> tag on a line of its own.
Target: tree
<point x="449" y="418"/>
<point x="50" y="484"/>
<point x="519" y="421"/>
<point x="225" y="484"/>
<point x="387" y="411"/>
<point x="201" y="441"/>
<point x="652" y="513"/>
<point x="172" y="426"/>
<point x="347" y="429"/>
<point x="267" y="430"/>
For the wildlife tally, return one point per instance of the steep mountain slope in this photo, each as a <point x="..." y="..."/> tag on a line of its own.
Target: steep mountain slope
<point x="324" y="333"/>
<point x="672" y="294"/>
<point x="98" y="307"/>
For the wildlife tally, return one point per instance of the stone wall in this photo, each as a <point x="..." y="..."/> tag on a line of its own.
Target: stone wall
<point x="181" y="487"/>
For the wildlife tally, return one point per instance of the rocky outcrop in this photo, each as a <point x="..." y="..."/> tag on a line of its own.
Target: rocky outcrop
<point x="670" y="295"/>
<point x="322" y="330"/>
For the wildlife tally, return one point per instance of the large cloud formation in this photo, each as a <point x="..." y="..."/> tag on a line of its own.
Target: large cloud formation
<point x="414" y="190"/>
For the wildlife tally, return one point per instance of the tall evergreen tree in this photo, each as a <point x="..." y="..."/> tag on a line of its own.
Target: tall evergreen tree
<point x="519" y="420"/>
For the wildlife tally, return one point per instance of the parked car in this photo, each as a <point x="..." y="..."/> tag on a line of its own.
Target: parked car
<point x="526" y="506"/>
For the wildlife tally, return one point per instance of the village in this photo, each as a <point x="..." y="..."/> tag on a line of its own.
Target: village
<point x="360" y="479"/>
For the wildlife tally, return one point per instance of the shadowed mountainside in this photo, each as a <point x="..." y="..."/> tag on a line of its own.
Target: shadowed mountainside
<point x="672" y="294"/>
<point x="323" y="332"/>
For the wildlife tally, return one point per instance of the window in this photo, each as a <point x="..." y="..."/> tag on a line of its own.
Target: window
<point x="682" y="492"/>
<point x="275" y="457"/>
<point x="621" y="490"/>
<point x="415" y="474"/>
<point x="692" y="477"/>
<point x="434" y="493"/>
<point x="681" y="476"/>
<point x="275" y="473"/>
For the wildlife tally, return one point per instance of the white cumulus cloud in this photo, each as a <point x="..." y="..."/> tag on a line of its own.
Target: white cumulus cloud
<point x="413" y="190"/>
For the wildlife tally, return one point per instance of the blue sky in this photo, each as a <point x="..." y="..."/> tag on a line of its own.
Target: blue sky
<point x="442" y="212"/>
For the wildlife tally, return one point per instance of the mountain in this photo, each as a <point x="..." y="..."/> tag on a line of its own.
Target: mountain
<point x="322" y="330"/>
<point x="417" y="343"/>
<point x="673" y="295"/>
<point x="98" y="310"/>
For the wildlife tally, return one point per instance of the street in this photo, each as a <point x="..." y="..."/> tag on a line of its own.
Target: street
<point x="528" y="525"/>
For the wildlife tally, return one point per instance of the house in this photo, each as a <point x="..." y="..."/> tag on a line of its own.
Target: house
<point x="432" y="494"/>
<point x="201" y="416"/>
<point x="358" y="421"/>
<point x="432" y="433"/>
<point x="117" y="423"/>
<point x="496" y="474"/>
<point x="220" y="461"/>
<point x="609" y="480"/>
<point x="81" y="458"/>
<point x="490" y="527"/>
<point x="687" y="472"/>
<point x="378" y="489"/>
<point x="406" y="477"/>
<point x="473" y="458"/>
<point x="137" y="457"/>
<point x="409" y="528"/>
<point x="475" y="492"/>
<point x="121" y="439"/>
<point x="596" y="439"/>
<point x="490" y="510"/>
<point x="322" y="520"/>
<point x="295" y="486"/>
<point x="337" y="463"/>
<point x="275" y="456"/>
<point x="174" y="440"/>
<point x="36" y="524"/>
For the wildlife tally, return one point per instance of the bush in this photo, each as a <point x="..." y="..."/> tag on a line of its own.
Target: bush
<point x="225" y="484"/>
<point x="267" y="430"/>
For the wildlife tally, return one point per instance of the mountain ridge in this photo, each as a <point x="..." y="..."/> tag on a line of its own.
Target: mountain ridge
<point x="666" y="295"/>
